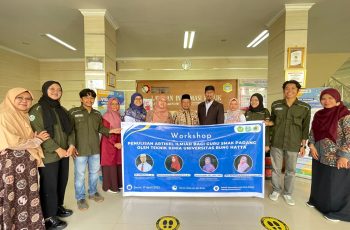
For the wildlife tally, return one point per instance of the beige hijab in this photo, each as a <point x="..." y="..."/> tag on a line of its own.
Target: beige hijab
<point x="160" y="115"/>
<point x="15" y="128"/>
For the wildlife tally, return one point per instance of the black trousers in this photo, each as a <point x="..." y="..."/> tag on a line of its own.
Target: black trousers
<point x="53" y="182"/>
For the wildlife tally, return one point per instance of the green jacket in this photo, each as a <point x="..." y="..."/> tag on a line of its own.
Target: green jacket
<point x="87" y="127"/>
<point x="291" y="124"/>
<point x="260" y="116"/>
<point x="60" y="138"/>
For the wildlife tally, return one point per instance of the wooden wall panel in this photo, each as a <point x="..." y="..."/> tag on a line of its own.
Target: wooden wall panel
<point x="194" y="88"/>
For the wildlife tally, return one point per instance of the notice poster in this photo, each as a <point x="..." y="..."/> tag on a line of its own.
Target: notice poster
<point x="103" y="97"/>
<point x="250" y="86"/>
<point x="176" y="160"/>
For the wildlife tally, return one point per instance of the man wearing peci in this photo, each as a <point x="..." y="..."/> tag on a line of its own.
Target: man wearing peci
<point x="210" y="112"/>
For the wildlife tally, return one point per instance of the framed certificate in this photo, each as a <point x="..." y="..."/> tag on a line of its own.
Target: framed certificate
<point x="298" y="75"/>
<point x="296" y="57"/>
<point x="111" y="79"/>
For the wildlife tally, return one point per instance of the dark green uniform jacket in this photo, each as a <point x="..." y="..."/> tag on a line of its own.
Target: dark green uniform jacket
<point x="260" y="116"/>
<point x="60" y="138"/>
<point x="87" y="127"/>
<point x="291" y="124"/>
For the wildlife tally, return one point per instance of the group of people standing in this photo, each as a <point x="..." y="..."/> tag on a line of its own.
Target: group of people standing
<point x="287" y="135"/>
<point x="42" y="137"/>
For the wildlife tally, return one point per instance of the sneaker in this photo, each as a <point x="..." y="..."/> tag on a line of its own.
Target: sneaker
<point x="330" y="219"/>
<point x="82" y="205"/>
<point x="96" y="197"/>
<point x="289" y="200"/>
<point x="111" y="191"/>
<point x="309" y="204"/>
<point x="274" y="196"/>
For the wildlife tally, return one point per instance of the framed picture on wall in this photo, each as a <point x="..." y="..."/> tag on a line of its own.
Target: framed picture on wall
<point x="298" y="75"/>
<point x="111" y="79"/>
<point x="296" y="57"/>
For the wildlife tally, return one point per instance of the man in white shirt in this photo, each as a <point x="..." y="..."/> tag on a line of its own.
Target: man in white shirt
<point x="144" y="166"/>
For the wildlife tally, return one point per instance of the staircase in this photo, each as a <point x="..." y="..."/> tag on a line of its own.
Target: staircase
<point x="341" y="81"/>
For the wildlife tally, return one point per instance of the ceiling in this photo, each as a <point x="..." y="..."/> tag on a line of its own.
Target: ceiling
<point x="154" y="28"/>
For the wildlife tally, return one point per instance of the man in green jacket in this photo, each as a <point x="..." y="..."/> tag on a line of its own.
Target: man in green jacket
<point x="291" y="120"/>
<point x="88" y="125"/>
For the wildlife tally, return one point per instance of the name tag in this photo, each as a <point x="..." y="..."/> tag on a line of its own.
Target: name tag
<point x="78" y="115"/>
<point x="279" y="108"/>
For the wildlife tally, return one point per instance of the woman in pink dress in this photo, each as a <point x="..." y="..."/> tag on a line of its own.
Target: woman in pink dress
<point x="111" y="160"/>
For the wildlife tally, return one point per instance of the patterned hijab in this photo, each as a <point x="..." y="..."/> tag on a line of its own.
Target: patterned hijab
<point x="325" y="122"/>
<point x="113" y="117"/>
<point x="233" y="115"/>
<point x="15" y="128"/>
<point x="136" y="112"/>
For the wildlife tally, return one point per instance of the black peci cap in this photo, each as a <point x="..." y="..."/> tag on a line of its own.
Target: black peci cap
<point x="209" y="87"/>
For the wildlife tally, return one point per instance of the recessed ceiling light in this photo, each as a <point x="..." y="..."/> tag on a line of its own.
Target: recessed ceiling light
<point x="261" y="37"/>
<point x="188" y="39"/>
<point x="60" y="42"/>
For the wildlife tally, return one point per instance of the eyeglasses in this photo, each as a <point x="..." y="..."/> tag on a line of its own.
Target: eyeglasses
<point x="24" y="98"/>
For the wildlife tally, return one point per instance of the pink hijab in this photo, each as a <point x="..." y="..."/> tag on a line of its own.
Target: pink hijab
<point x="160" y="114"/>
<point x="113" y="117"/>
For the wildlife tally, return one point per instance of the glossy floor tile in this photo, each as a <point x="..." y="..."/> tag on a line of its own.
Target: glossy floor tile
<point x="141" y="213"/>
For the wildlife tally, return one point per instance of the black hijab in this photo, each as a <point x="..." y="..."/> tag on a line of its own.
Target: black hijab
<point x="260" y="107"/>
<point x="49" y="117"/>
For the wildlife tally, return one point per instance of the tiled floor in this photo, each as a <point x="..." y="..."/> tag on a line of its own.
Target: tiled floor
<point x="141" y="213"/>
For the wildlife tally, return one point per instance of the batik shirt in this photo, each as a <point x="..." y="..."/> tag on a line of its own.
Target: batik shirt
<point x="186" y="117"/>
<point x="328" y="151"/>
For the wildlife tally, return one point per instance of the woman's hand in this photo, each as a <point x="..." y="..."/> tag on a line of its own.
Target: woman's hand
<point x="118" y="145"/>
<point x="267" y="148"/>
<point x="71" y="151"/>
<point x="268" y="123"/>
<point x="342" y="162"/>
<point x="61" y="152"/>
<point x="43" y="135"/>
<point x="313" y="151"/>
<point x="115" y="131"/>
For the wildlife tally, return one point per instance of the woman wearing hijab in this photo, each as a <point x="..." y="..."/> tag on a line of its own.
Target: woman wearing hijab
<point x="160" y="113"/>
<point x="257" y="112"/>
<point x="234" y="114"/>
<point x="243" y="165"/>
<point x="111" y="160"/>
<point x="175" y="164"/>
<point x="49" y="115"/>
<point x="135" y="112"/>
<point x="20" y="154"/>
<point x="208" y="166"/>
<point x="329" y="144"/>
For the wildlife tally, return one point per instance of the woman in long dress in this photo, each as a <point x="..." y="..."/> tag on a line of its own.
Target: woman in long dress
<point x="111" y="160"/>
<point x="20" y="155"/>
<point x="329" y="144"/>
